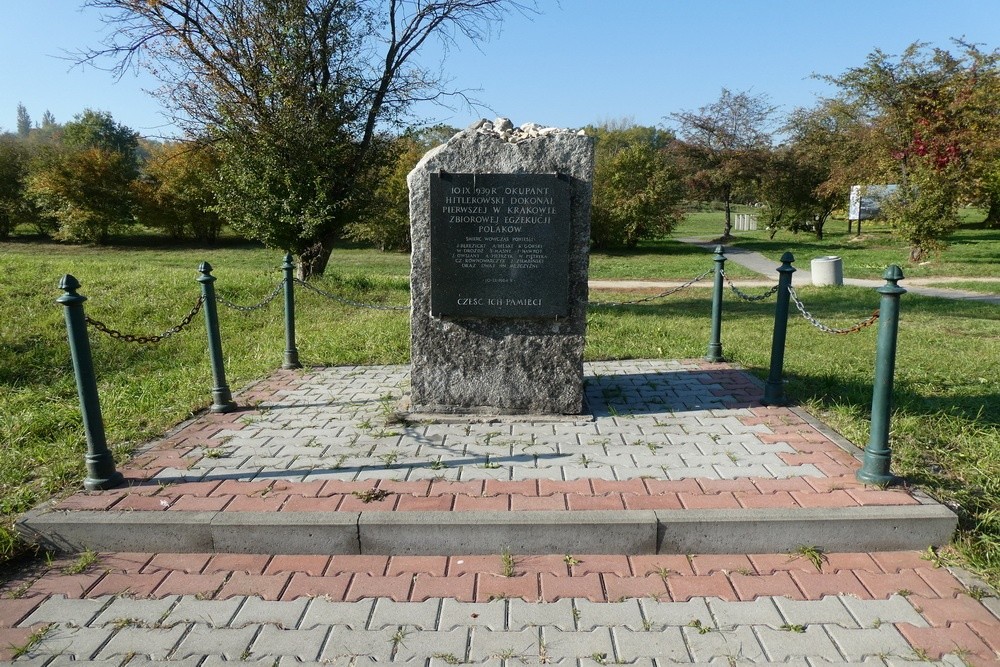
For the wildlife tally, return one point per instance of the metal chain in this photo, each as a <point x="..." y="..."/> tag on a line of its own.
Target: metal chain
<point x="348" y="302"/>
<point x="129" y="338"/>
<point x="672" y="290"/>
<point x="247" y="309"/>
<point x="749" y="297"/>
<point x="822" y="327"/>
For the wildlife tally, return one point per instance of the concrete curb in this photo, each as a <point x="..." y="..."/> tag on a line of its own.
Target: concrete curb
<point x="888" y="528"/>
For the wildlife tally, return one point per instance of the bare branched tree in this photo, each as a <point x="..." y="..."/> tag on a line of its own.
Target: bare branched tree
<point x="295" y="92"/>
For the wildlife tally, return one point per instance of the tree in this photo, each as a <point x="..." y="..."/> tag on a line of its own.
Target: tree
<point x="296" y="95"/>
<point x="48" y="120"/>
<point x="13" y="172"/>
<point x="87" y="192"/>
<point x="725" y="144"/>
<point x="387" y="224"/>
<point x="791" y="187"/>
<point x="85" y="183"/>
<point x="23" y="122"/>
<point x="637" y="191"/>
<point x="175" y="192"/>
<point x="934" y="128"/>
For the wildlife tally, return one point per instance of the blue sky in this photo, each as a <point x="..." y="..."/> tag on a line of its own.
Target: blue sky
<point x="578" y="62"/>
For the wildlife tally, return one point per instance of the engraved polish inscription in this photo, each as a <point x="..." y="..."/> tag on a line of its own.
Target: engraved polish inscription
<point x="499" y="245"/>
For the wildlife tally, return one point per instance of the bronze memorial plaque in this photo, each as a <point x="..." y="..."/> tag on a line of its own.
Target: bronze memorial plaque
<point x="499" y="245"/>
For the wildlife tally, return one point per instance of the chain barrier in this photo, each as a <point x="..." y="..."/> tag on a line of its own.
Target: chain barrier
<point x="347" y="302"/>
<point x="248" y="309"/>
<point x="672" y="290"/>
<point x="824" y="328"/>
<point x="749" y="297"/>
<point x="129" y="338"/>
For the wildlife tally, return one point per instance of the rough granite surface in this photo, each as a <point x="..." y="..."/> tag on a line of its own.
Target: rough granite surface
<point x="501" y="365"/>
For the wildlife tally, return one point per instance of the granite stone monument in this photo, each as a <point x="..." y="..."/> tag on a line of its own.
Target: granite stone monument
<point x="500" y="227"/>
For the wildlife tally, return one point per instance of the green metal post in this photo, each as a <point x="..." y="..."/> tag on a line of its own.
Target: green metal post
<point x="101" y="473"/>
<point x="774" y="389"/>
<point x="715" y="341"/>
<point x="222" y="398"/>
<point x="291" y="352"/>
<point x="878" y="455"/>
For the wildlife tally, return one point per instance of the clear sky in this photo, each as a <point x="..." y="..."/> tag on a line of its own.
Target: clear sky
<point x="578" y="62"/>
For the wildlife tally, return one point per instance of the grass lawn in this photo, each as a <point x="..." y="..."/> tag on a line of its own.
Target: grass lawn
<point x="971" y="251"/>
<point x="945" y="437"/>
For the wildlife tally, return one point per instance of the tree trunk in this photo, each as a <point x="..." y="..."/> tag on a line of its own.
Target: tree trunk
<point x="917" y="254"/>
<point x="818" y="226"/>
<point x="313" y="260"/>
<point x="992" y="220"/>
<point x="728" y="228"/>
<point x="850" y="224"/>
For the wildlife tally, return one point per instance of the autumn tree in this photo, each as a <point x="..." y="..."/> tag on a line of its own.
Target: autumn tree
<point x="175" y="193"/>
<point x="933" y="126"/>
<point x="84" y="184"/>
<point x="296" y="95"/>
<point x="724" y="145"/>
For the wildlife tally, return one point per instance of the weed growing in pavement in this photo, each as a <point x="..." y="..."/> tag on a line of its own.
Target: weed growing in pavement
<point x="214" y="453"/>
<point x="447" y="658"/>
<point x="33" y="639"/>
<point x="399" y="638"/>
<point x="599" y="658"/>
<point x="569" y="560"/>
<point x="82" y="562"/>
<point x="792" y="627"/>
<point x="976" y="593"/>
<point x="812" y="554"/>
<point x="700" y="627"/>
<point x="438" y="464"/>
<point x="506" y="563"/>
<point x="372" y="495"/>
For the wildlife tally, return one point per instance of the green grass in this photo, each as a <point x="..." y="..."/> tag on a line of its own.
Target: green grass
<point x="971" y="252"/>
<point x="945" y="437"/>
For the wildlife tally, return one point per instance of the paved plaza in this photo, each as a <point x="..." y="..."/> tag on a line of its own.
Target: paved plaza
<point x="679" y="521"/>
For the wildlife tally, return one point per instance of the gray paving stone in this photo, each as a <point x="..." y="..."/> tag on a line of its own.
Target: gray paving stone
<point x="81" y="643"/>
<point x="217" y="613"/>
<point x="439" y="661"/>
<point x="489" y="615"/>
<point x="68" y="611"/>
<point x="143" y="611"/>
<point x="275" y="642"/>
<point x="665" y="644"/>
<point x="678" y="614"/>
<point x="157" y="643"/>
<point x="858" y="644"/>
<point x="830" y="609"/>
<point x="353" y="615"/>
<point x="758" y="612"/>
<point x="573" y="644"/>
<point x="204" y="640"/>
<point x="781" y="645"/>
<point x="420" y="645"/>
<point x="609" y="614"/>
<point x="896" y="609"/>
<point x="558" y="614"/>
<point x="948" y="659"/>
<point x="738" y="643"/>
<point x="342" y="641"/>
<point x="486" y="644"/>
<point x="413" y="615"/>
<point x="283" y="613"/>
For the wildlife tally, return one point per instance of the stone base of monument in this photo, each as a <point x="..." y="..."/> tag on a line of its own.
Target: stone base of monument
<point x="500" y="229"/>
